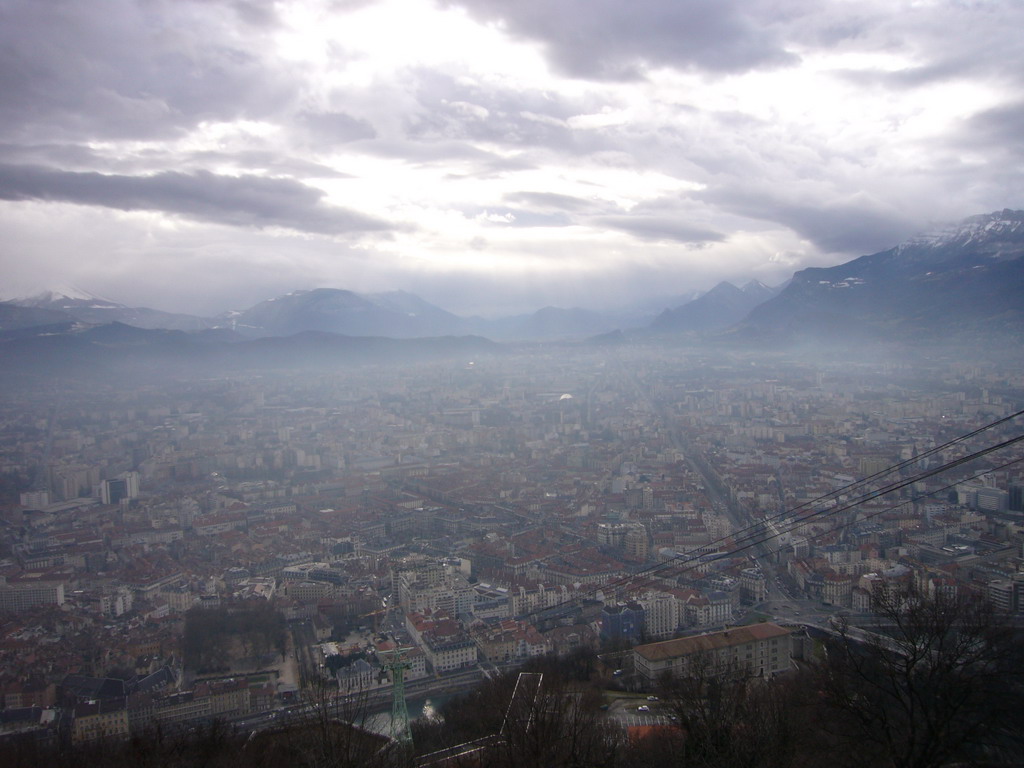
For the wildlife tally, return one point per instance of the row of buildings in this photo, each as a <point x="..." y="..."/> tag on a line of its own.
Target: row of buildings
<point x="499" y="519"/>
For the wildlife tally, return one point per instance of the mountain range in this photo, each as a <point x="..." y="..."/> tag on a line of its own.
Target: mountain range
<point x="73" y="304"/>
<point x="963" y="281"/>
<point x="722" y="306"/>
<point x="395" y="314"/>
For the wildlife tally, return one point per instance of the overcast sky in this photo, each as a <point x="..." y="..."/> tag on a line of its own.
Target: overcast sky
<point x="492" y="156"/>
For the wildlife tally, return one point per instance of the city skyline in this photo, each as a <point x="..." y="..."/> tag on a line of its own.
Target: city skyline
<point x="490" y="157"/>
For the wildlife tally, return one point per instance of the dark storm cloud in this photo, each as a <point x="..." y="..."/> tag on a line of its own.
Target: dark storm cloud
<point x="615" y="40"/>
<point x="132" y="70"/>
<point x="249" y="201"/>
<point x="1000" y="127"/>
<point x="659" y="228"/>
<point x="63" y="155"/>
<point x="847" y="228"/>
<point x="856" y="226"/>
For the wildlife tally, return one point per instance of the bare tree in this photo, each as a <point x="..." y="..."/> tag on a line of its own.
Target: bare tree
<point x="940" y="682"/>
<point x="329" y="730"/>
<point x="729" y="718"/>
<point x="562" y="726"/>
<point x="518" y="720"/>
<point x="705" y="702"/>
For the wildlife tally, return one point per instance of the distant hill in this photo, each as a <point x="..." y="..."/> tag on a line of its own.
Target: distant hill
<point x="333" y="310"/>
<point x="423" y="314"/>
<point x="403" y="315"/>
<point x="95" y="310"/>
<point x="963" y="282"/>
<point x="394" y="314"/>
<point x="14" y="316"/>
<point x="722" y="306"/>
<point x="760" y="292"/>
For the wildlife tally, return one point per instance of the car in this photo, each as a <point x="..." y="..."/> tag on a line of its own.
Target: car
<point x="617" y="672"/>
<point x="643" y="708"/>
<point x="652" y="698"/>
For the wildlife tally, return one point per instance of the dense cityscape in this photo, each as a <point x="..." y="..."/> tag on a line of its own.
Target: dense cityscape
<point x="207" y="550"/>
<point x="533" y="384"/>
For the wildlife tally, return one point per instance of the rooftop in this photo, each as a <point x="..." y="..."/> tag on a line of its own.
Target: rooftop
<point x="684" y="646"/>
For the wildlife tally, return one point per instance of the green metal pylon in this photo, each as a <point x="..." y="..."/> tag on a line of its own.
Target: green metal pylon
<point x="400" y="730"/>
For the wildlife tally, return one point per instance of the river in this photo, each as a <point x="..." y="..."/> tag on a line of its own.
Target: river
<point x="428" y="707"/>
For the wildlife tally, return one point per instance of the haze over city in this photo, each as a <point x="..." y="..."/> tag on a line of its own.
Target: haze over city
<point x="491" y="157"/>
<point x="562" y="383"/>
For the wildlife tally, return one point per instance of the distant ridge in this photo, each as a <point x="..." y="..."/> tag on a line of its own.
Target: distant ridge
<point x="333" y="310"/>
<point x="402" y="315"/>
<point x="14" y="316"/>
<point x="88" y="308"/>
<point x="963" y="281"/>
<point x="719" y="308"/>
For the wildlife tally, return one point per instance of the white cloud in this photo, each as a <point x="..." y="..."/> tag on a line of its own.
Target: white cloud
<point x="416" y="144"/>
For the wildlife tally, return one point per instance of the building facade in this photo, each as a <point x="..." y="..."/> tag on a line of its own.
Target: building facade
<point x="758" y="650"/>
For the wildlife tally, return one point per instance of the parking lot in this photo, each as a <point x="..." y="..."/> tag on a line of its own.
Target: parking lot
<point x="627" y="712"/>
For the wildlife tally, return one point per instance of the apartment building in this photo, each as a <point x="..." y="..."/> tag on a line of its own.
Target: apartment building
<point x="758" y="650"/>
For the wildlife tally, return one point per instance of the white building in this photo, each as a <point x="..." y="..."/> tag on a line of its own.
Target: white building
<point x="24" y="594"/>
<point x="450" y="654"/>
<point x="663" y="614"/>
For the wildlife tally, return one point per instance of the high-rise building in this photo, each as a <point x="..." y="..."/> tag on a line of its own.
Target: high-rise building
<point x="663" y="614"/>
<point x="636" y="544"/>
<point x="622" y="622"/>
<point x="132" y="480"/>
<point x="611" y="534"/>
<point x="1015" y="502"/>
<point x="112" y="491"/>
<point x="124" y="486"/>
<point x="992" y="500"/>
<point x="1000" y="594"/>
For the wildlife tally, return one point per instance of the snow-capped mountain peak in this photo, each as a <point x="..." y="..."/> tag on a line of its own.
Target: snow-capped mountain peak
<point x="960" y="281"/>
<point x="64" y="296"/>
<point x="989" y="226"/>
